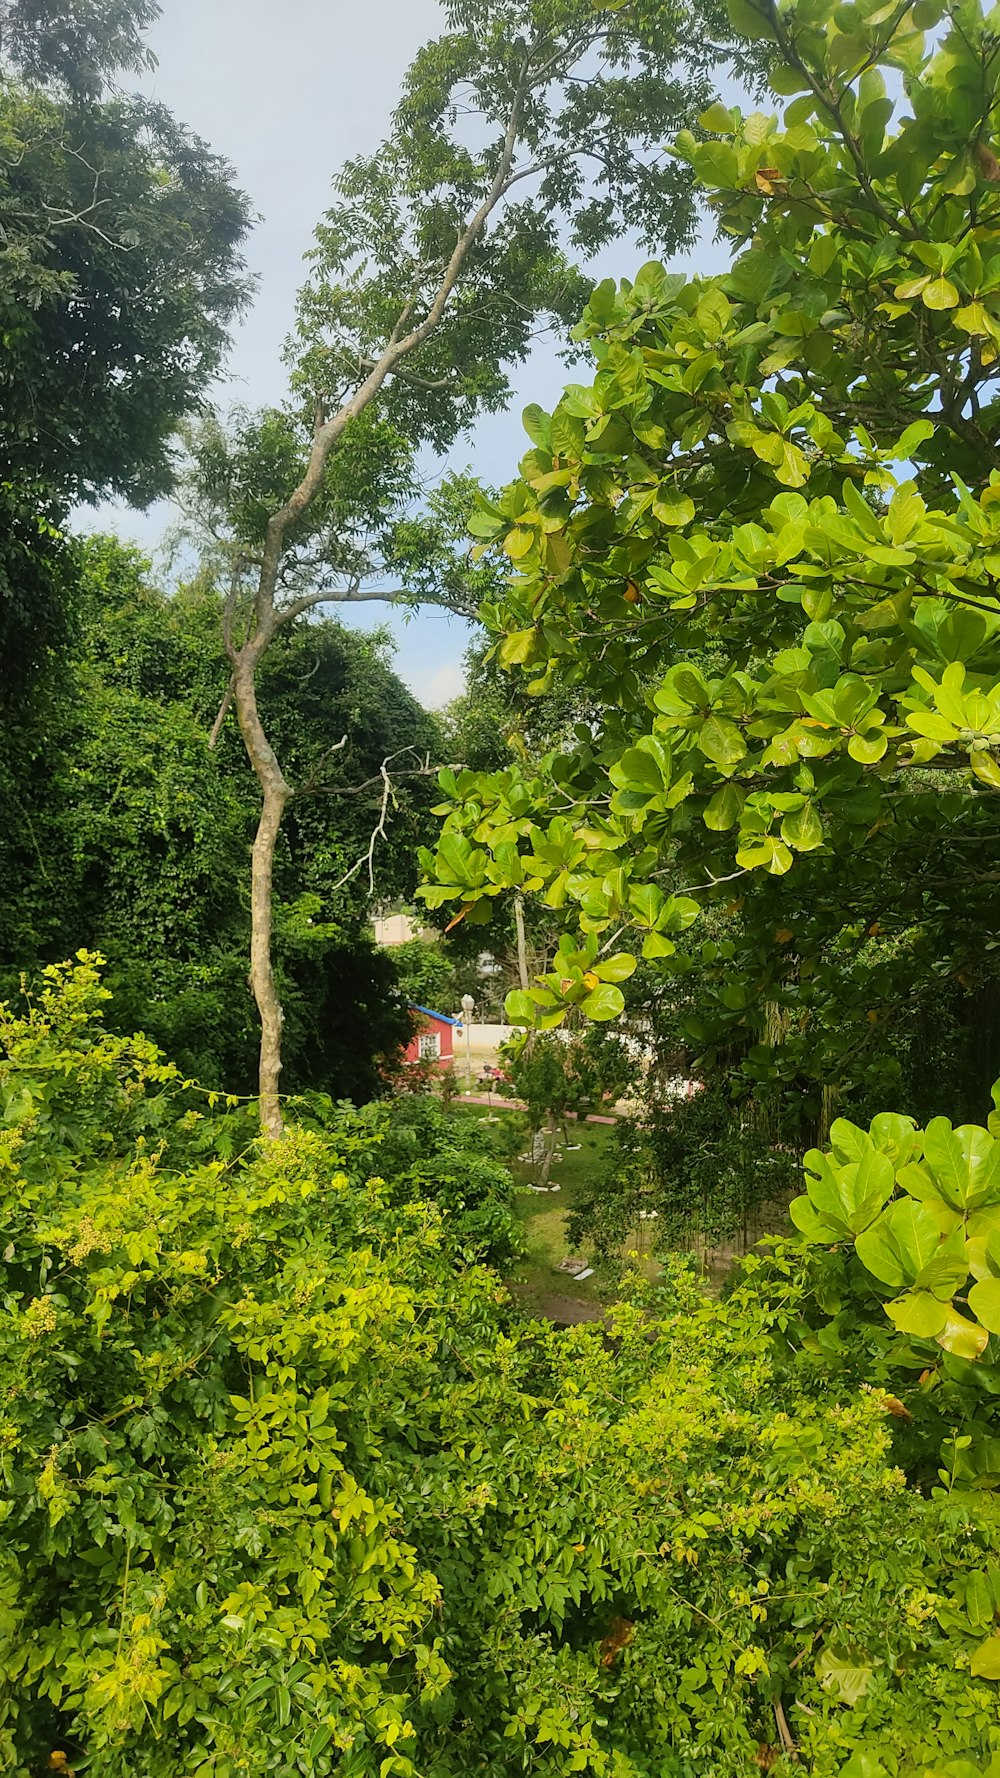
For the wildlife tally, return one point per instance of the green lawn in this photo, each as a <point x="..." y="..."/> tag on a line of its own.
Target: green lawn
<point x="537" y="1281"/>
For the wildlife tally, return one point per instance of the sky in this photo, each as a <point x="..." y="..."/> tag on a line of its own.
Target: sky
<point x="287" y="90"/>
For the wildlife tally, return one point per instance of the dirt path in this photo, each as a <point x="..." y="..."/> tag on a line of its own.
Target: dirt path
<point x="559" y="1307"/>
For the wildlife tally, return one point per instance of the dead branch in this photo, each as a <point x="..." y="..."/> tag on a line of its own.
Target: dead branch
<point x="311" y="783"/>
<point x="224" y="709"/>
<point x="378" y="832"/>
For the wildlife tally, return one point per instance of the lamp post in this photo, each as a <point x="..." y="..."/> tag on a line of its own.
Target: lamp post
<point x="468" y="1007"/>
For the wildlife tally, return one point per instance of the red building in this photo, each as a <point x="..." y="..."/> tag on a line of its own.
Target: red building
<point x="434" y="1039"/>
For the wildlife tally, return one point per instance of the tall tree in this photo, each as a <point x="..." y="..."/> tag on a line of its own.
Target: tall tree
<point x="120" y="274"/>
<point x="764" y="539"/>
<point x="75" y="44"/>
<point x="127" y="836"/>
<point x="531" y="130"/>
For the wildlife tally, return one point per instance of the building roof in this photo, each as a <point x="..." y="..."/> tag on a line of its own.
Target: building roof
<point x="442" y="1017"/>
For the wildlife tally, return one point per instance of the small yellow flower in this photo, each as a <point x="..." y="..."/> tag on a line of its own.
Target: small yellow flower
<point x="40" y="1318"/>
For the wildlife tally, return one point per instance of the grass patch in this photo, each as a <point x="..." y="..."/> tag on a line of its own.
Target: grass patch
<point x="537" y="1281"/>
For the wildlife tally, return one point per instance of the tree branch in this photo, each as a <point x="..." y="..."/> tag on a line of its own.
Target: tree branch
<point x="224" y="709"/>
<point x="378" y="831"/>
<point x="398" y="346"/>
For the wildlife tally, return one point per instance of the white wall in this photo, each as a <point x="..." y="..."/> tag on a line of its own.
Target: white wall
<point x="484" y="1039"/>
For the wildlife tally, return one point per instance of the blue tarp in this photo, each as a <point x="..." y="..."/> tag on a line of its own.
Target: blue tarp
<point x="442" y="1017"/>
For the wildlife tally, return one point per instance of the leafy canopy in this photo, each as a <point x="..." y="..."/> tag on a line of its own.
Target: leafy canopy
<point x="75" y="44"/>
<point x="526" y="134"/>
<point x="122" y="831"/>
<point x="765" y="537"/>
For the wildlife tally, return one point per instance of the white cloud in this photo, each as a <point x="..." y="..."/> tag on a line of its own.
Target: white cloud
<point x="437" y="688"/>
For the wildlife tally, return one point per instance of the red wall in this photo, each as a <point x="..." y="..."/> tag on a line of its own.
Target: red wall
<point x="446" y="1045"/>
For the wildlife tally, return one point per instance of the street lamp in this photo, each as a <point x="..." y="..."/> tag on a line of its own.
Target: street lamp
<point x="468" y="1007"/>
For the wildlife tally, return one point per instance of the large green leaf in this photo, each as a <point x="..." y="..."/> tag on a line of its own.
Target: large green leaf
<point x="962" y="1337"/>
<point x="965" y="1163"/>
<point x="723" y="812"/>
<point x="844" y="1672"/>
<point x="720" y="740"/>
<point x="519" y="1007"/>
<point x="604" y="1002"/>
<point x="803" y="829"/>
<point x="979" y="1600"/>
<point x="812" y="1223"/>
<point x="670" y="507"/>
<point x="984" y="1250"/>
<point x="850" y="1193"/>
<point x="985" y="1662"/>
<point x="617" y="968"/>
<point x="948" y="1268"/>
<point x="984" y="1301"/>
<point x="896" y="1136"/>
<point x="918" y="1313"/>
<point x="646" y="903"/>
<point x="638" y="770"/>
<point x="896" y="1248"/>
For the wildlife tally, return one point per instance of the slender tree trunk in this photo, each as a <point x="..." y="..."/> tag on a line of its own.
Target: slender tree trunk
<point x="275" y="792"/>
<point x="828" y="1105"/>
<point x="522" y="943"/>
<point x="550" y="1149"/>
<point x="269" y="616"/>
<point x="261" y="969"/>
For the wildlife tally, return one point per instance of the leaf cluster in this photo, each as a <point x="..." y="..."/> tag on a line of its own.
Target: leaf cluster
<point x="285" y="1485"/>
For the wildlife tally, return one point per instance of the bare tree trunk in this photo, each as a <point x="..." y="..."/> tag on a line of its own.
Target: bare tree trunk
<point x="269" y="615"/>
<point x="261" y="968"/>
<point x="828" y="1105"/>
<point x="522" y="945"/>
<point x="275" y="793"/>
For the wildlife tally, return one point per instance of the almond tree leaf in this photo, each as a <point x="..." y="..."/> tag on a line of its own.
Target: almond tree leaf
<point x="940" y="293"/>
<point x="810" y="1222"/>
<point x="898" y="1246"/>
<point x="965" y="1163"/>
<point x="985" y="1662"/>
<point x="918" y="1313"/>
<point x="721" y="742"/>
<point x="617" y="968"/>
<point x="964" y="1339"/>
<point x="844" y="1673"/>
<point x="984" y="1301"/>
<point x="604" y="1002"/>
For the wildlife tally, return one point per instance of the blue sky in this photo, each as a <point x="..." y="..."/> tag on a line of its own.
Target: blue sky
<point x="287" y="93"/>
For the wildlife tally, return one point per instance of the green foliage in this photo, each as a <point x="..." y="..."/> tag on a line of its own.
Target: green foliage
<point x="120" y="273"/>
<point x="424" y="973"/>
<point x="591" y="95"/>
<point x="75" y="43"/>
<point x="122" y="831"/>
<point x="567" y="1076"/>
<point x="919" y="1211"/>
<point x="761" y="543"/>
<point x="427" y="1155"/>
<point x="38" y="579"/>
<point x="525" y="132"/>
<point x="97" y="330"/>
<point x="697" y="1172"/>
<point x="284" y="1486"/>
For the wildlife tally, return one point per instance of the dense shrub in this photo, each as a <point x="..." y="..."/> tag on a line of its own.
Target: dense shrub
<point x="426" y="1154"/>
<point x="287" y="1489"/>
<point x="697" y="1168"/>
